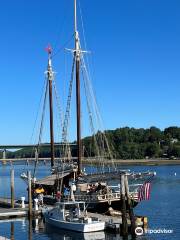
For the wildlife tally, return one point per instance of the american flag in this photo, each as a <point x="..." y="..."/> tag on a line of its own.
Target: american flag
<point x="144" y="191"/>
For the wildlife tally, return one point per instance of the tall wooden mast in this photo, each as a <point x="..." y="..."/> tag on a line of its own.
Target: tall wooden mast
<point x="50" y="76"/>
<point x="78" y="94"/>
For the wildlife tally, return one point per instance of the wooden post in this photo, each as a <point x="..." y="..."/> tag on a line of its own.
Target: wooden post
<point x="12" y="188"/>
<point x="29" y="193"/>
<point x="12" y="231"/>
<point x="131" y="213"/>
<point x="124" y="230"/>
<point x="30" y="228"/>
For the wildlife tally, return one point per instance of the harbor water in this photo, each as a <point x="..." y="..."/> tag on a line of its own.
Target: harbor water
<point x="162" y="210"/>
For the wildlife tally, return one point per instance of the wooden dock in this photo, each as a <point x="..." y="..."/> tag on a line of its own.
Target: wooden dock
<point x="6" y="202"/>
<point x="113" y="223"/>
<point x="4" y="238"/>
<point x="8" y="213"/>
<point x="13" y="213"/>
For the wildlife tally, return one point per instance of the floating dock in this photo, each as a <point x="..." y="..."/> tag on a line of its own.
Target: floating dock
<point x="113" y="223"/>
<point x="4" y="238"/>
<point x="6" y="203"/>
<point x="7" y="213"/>
<point x="12" y="213"/>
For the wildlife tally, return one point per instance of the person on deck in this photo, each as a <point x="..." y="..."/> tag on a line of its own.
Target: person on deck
<point x="58" y="196"/>
<point x="99" y="187"/>
<point x="40" y="194"/>
<point x="66" y="191"/>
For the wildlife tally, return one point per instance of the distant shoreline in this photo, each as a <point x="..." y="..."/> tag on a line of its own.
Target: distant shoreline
<point x="138" y="162"/>
<point x="124" y="162"/>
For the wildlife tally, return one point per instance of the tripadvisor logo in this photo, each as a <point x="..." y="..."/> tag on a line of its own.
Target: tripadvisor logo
<point x="139" y="231"/>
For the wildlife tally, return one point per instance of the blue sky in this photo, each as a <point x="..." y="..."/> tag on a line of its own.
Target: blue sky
<point x="135" y="60"/>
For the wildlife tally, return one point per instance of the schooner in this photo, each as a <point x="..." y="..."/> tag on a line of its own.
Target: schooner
<point x="95" y="189"/>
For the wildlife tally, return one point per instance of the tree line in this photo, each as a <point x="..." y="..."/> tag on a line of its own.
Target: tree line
<point x="132" y="143"/>
<point x="125" y="143"/>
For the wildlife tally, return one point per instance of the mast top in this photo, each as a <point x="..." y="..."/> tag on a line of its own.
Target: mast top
<point x="49" y="51"/>
<point x="49" y="71"/>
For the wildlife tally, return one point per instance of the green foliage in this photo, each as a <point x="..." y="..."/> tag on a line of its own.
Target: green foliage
<point x="131" y="143"/>
<point x="125" y="143"/>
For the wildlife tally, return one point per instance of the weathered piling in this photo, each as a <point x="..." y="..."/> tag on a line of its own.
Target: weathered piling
<point x="12" y="231"/>
<point x="30" y="229"/>
<point x="130" y="208"/>
<point x="29" y="193"/>
<point x="124" y="227"/>
<point x="12" y="188"/>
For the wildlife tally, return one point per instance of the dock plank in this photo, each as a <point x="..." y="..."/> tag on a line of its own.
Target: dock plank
<point x="10" y="213"/>
<point x="4" y="238"/>
<point x="112" y="222"/>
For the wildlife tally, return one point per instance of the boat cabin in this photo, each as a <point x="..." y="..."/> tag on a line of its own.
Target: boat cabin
<point x="68" y="211"/>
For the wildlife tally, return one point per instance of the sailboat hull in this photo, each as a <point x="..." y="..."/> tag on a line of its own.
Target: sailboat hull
<point x="95" y="206"/>
<point x="77" y="227"/>
<point x="103" y="207"/>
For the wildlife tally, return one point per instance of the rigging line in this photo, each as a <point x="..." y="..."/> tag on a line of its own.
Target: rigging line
<point x="91" y="120"/>
<point x="41" y="126"/>
<point x="98" y="115"/>
<point x="62" y="48"/>
<point x="90" y="113"/>
<point x="38" y="110"/>
<point x="92" y="127"/>
<point x="57" y="97"/>
<point x="37" y="113"/>
<point x="97" y="112"/>
<point x="93" y="96"/>
<point x="60" y="112"/>
<point x="66" y="147"/>
<point x="67" y="113"/>
<point x="88" y="83"/>
<point x="91" y="89"/>
<point x="88" y="79"/>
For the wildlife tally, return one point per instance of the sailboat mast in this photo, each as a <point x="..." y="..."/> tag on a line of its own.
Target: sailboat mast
<point x="78" y="95"/>
<point x="50" y="75"/>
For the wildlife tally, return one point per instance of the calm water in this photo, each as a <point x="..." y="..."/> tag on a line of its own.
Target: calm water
<point x="163" y="209"/>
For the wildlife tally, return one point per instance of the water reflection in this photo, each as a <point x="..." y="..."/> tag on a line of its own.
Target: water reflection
<point x="162" y="209"/>
<point x="57" y="234"/>
<point x="22" y="229"/>
<point x="30" y="230"/>
<point x="12" y="231"/>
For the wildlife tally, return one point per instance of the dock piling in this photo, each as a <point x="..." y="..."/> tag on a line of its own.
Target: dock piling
<point x="12" y="188"/>
<point x="23" y="202"/>
<point x="124" y="228"/>
<point x="30" y="228"/>
<point x="131" y="213"/>
<point x="36" y="204"/>
<point x="12" y="231"/>
<point x="29" y="193"/>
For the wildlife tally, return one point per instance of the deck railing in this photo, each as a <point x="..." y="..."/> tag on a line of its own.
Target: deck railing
<point x="101" y="197"/>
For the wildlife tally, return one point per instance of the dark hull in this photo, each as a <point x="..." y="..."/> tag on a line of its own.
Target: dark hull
<point x="99" y="207"/>
<point x="102" y="207"/>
